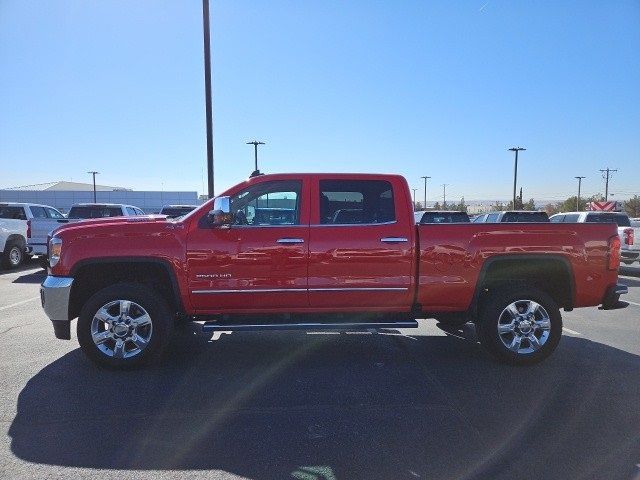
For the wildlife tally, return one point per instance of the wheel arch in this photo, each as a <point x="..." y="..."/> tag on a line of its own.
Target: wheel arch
<point x="91" y="275"/>
<point x="552" y="274"/>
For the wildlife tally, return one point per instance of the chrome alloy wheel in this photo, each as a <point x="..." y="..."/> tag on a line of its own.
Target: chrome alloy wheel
<point x="121" y="329"/>
<point x="15" y="256"/>
<point x="524" y="326"/>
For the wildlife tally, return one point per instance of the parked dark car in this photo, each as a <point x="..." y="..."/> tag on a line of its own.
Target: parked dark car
<point x="175" y="211"/>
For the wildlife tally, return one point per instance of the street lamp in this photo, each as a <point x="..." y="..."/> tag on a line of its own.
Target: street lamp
<point x="94" y="173"/>
<point x="207" y="94"/>
<point x="425" y="191"/>
<point x="515" y="172"/>
<point x="255" y="144"/>
<point x="578" y="199"/>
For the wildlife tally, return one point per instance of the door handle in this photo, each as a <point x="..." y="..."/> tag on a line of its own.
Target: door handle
<point x="290" y="240"/>
<point x="394" y="239"/>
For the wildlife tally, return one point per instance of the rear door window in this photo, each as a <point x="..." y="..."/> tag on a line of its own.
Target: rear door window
<point x="571" y="218"/>
<point x="12" y="212"/>
<point x="53" y="213"/>
<point x="353" y="202"/>
<point x="492" y="218"/>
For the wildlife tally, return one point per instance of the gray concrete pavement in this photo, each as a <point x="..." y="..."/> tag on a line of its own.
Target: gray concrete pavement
<point x="422" y="403"/>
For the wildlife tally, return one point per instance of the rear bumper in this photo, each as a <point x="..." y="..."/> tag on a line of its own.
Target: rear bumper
<point x="54" y="295"/>
<point x="611" y="299"/>
<point x="37" y="248"/>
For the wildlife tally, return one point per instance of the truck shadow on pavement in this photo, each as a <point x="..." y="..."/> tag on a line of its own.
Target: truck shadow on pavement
<point x="340" y="406"/>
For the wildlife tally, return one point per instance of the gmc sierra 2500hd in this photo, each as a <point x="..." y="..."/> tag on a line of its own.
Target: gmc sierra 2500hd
<point x="313" y="251"/>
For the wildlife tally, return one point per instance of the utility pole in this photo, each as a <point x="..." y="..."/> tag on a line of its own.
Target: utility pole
<point x="414" y="197"/>
<point x="94" y="173"/>
<point x="515" y="172"/>
<point x="425" y="191"/>
<point x="444" y="196"/>
<point x="606" y="173"/>
<point x="255" y="144"/>
<point x="207" y="94"/>
<point x="578" y="199"/>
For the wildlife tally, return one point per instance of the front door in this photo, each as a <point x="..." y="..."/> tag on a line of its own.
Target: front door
<point x="258" y="263"/>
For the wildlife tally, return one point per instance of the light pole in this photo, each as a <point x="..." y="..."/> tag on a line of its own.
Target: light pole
<point x="414" y="197"/>
<point x="578" y="199"/>
<point x="444" y="196"/>
<point x="425" y="191"/>
<point x="207" y="94"/>
<point x="94" y="173"/>
<point x="255" y="144"/>
<point x="515" y="172"/>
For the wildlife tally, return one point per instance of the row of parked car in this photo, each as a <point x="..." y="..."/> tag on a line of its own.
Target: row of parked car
<point x="24" y="227"/>
<point x="628" y="228"/>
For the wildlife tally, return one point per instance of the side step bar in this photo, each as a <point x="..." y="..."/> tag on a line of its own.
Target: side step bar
<point x="213" y="326"/>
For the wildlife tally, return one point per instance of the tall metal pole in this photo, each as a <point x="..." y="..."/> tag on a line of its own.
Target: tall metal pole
<point x="578" y="199"/>
<point x="425" y="191"/>
<point x="94" y="173"/>
<point x="207" y="92"/>
<point x="515" y="173"/>
<point x="444" y="196"/>
<point x="255" y="144"/>
<point x="414" y="197"/>
<point x="608" y="171"/>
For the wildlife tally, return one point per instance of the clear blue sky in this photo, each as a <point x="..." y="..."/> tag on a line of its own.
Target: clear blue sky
<point x="435" y="88"/>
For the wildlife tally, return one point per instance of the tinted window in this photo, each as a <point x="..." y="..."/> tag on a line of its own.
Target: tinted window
<point x="131" y="211"/>
<point x="268" y="203"/>
<point x="38" y="212"/>
<point x="523" y="217"/>
<point x="492" y="218"/>
<point x="173" y="212"/>
<point x="480" y="219"/>
<point x="14" y="213"/>
<point x="618" y="218"/>
<point x="53" y="213"/>
<point x="138" y="211"/>
<point x="345" y="202"/>
<point x="571" y="218"/>
<point x="94" y="211"/>
<point x="556" y="218"/>
<point x="444" y="217"/>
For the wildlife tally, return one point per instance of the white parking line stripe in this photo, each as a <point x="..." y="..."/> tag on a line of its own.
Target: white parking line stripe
<point x="7" y="307"/>
<point x="568" y="330"/>
<point x="632" y="303"/>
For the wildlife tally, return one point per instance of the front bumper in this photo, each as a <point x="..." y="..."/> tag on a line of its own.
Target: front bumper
<point x="54" y="295"/>
<point x="611" y="299"/>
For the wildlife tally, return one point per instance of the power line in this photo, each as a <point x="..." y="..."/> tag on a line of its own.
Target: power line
<point x="606" y="173"/>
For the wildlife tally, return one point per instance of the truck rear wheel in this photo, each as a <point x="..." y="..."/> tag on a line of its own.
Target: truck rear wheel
<point x="520" y="326"/>
<point x="13" y="255"/>
<point x="124" y="325"/>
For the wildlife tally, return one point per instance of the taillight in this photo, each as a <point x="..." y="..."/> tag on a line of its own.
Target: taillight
<point x="28" y="228"/>
<point x="614" y="253"/>
<point x="628" y="236"/>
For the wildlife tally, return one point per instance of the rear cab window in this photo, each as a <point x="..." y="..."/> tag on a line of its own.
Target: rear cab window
<point x="444" y="217"/>
<point x="356" y="202"/>
<point x="525" y="217"/>
<point x="618" y="218"/>
<point x="95" y="211"/>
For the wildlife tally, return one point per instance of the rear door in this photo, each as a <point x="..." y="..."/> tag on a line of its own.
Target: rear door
<point x="361" y="244"/>
<point x="260" y="262"/>
<point x="44" y="221"/>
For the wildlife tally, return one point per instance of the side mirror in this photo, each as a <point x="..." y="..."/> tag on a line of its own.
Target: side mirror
<point x="221" y="214"/>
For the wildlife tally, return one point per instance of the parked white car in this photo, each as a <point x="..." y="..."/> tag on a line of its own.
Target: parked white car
<point x="629" y="234"/>
<point x="13" y="235"/>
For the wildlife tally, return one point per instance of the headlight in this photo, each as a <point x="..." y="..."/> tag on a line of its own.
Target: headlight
<point x="55" y="249"/>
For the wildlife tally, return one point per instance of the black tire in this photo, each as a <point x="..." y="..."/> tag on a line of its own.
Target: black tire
<point x="43" y="261"/>
<point x="13" y="255"/>
<point x="491" y="314"/>
<point x="156" y="308"/>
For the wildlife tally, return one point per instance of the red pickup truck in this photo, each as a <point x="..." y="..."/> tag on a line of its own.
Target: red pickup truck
<point x="322" y="251"/>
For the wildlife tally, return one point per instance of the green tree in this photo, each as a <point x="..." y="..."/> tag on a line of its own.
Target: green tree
<point x="437" y="206"/>
<point x="632" y="206"/>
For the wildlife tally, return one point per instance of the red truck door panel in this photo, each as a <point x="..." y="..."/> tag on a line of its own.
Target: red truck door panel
<point x="261" y="261"/>
<point x="361" y="244"/>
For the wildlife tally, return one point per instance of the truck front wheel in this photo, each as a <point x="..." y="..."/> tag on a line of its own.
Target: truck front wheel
<point x="520" y="326"/>
<point x="124" y="325"/>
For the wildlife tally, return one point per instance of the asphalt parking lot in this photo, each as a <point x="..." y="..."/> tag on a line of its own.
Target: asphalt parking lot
<point x="422" y="403"/>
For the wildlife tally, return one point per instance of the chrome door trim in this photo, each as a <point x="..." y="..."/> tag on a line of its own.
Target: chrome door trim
<point x="258" y="290"/>
<point x="359" y="289"/>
